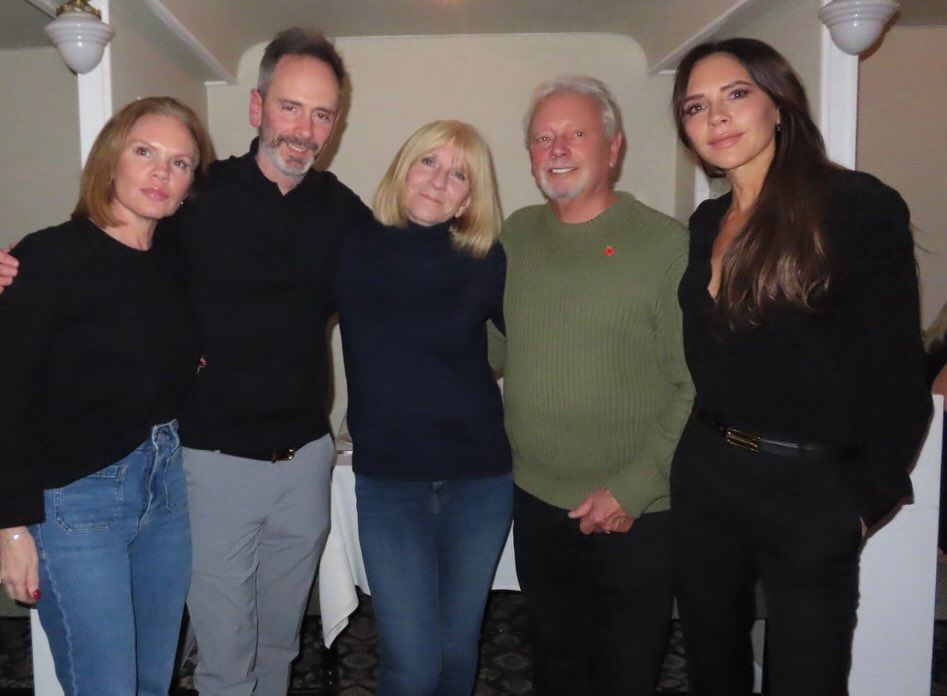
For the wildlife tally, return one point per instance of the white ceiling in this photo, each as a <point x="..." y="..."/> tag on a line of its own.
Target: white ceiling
<point x="226" y="28"/>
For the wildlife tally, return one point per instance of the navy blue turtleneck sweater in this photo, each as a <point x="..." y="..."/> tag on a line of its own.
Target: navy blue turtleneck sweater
<point x="423" y="402"/>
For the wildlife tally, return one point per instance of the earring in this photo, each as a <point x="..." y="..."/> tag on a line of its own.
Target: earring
<point x="779" y="127"/>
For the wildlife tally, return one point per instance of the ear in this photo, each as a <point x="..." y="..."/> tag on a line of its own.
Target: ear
<point x="614" y="149"/>
<point x="256" y="108"/>
<point x="462" y="209"/>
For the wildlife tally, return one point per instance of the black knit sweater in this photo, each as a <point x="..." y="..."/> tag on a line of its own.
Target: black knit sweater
<point x="261" y="266"/>
<point x="97" y="345"/>
<point x="423" y="402"/>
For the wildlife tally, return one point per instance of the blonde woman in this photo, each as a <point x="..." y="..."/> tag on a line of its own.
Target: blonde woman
<point x="431" y="459"/>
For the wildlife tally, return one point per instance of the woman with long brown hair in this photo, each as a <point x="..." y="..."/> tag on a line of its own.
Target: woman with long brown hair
<point x="802" y="334"/>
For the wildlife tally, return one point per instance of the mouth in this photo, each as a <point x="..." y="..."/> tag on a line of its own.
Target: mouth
<point x="298" y="148"/>
<point x="725" y="140"/>
<point x="559" y="171"/>
<point x="155" y="194"/>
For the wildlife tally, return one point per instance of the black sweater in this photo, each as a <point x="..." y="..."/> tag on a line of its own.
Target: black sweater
<point x="97" y="345"/>
<point x="849" y="374"/>
<point x="261" y="266"/>
<point x="423" y="402"/>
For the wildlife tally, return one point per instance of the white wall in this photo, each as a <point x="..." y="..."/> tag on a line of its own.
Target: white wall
<point x="400" y="83"/>
<point x="147" y="62"/>
<point x="39" y="141"/>
<point x="903" y="141"/>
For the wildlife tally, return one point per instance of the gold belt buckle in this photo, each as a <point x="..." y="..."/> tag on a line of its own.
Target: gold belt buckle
<point x="739" y="438"/>
<point x="282" y="455"/>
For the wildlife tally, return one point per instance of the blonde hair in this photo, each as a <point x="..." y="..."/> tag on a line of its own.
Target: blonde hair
<point x="476" y="230"/>
<point x="95" y="185"/>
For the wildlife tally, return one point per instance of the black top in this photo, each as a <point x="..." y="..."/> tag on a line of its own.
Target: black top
<point x="423" y="402"/>
<point x="97" y="345"/>
<point x="261" y="266"/>
<point x="850" y="374"/>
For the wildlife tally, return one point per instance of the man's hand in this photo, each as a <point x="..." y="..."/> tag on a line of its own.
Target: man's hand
<point x="601" y="513"/>
<point x="8" y="268"/>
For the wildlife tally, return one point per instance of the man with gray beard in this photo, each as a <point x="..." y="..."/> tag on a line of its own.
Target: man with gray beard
<point x="259" y="246"/>
<point x="596" y="395"/>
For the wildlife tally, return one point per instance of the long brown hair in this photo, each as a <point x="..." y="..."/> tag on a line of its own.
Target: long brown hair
<point x="780" y="255"/>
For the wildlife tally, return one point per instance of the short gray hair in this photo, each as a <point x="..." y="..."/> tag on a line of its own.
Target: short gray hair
<point x="296" y="41"/>
<point x="581" y="84"/>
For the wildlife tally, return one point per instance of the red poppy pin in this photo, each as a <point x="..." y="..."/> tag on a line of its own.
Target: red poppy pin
<point x="609" y="251"/>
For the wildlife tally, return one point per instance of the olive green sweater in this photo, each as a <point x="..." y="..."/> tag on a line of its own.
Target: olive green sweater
<point x="596" y="388"/>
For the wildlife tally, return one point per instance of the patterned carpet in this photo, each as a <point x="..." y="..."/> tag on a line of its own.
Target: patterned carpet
<point x="504" y="665"/>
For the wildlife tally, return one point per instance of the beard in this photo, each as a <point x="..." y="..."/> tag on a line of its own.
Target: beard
<point x="559" y="191"/>
<point x="298" y="162"/>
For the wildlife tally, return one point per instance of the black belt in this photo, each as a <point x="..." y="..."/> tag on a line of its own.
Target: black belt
<point x="273" y="455"/>
<point x="782" y="448"/>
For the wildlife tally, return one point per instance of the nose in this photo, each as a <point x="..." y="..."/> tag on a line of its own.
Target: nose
<point x="718" y="115"/>
<point x="162" y="169"/>
<point x="439" y="179"/>
<point x="559" y="147"/>
<point x="304" y="128"/>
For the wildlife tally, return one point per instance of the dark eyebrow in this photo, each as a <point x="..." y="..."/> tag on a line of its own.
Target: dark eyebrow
<point x="723" y="88"/>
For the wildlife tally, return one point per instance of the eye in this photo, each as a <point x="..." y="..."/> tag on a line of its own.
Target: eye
<point x="427" y="161"/>
<point x="693" y="108"/>
<point x="289" y="108"/>
<point x="323" y="116"/>
<point x="182" y="164"/>
<point x="542" y="139"/>
<point x="141" y="150"/>
<point x="459" y="175"/>
<point x="739" y="93"/>
<point x="579" y="133"/>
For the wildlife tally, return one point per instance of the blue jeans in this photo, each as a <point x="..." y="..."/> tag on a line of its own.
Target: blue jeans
<point x="430" y="550"/>
<point x="115" y="561"/>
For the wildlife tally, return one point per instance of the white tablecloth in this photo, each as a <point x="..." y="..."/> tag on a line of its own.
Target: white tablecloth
<point x="341" y="569"/>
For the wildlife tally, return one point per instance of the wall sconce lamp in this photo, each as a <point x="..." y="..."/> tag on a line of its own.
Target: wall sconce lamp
<point x="856" y="24"/>
<point x="79" y="35"/>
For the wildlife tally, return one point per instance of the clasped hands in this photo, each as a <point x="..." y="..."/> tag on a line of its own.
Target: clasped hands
<point x="601" y="513"/>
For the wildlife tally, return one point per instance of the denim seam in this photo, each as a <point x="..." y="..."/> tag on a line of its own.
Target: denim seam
<point x="67" y="631"/>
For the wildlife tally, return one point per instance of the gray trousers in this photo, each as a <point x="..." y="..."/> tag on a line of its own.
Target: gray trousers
<point x="258" y="530"/>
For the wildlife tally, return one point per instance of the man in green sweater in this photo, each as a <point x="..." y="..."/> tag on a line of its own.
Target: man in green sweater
<point x="597" y="393"/>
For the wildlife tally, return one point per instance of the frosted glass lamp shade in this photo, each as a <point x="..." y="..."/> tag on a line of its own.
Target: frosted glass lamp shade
<point x="80" y="38"/>
<point x="856" y="24"/>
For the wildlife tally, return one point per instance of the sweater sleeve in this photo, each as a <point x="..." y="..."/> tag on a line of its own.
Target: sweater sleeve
<point x="27" y="322"/>
<point x="634" y="485"/>
<point x="895" y="407"/>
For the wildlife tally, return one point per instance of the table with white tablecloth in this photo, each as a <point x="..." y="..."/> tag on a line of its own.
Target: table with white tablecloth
<point x="341" y="569"/>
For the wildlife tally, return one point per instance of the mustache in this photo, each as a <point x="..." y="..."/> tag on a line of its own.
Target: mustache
<point x="300" y="143"/>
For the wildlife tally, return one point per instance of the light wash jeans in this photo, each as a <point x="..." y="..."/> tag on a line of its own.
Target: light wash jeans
<point x="115" y="560"/>
<point x="431" y="549"/>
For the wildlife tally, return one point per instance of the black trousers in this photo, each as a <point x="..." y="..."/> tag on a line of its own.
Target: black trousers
<point x="598" y="605"/>
<point x="740" y="515"/>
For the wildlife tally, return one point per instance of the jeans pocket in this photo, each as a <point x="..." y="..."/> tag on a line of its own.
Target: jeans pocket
<point x="93" y="503"/>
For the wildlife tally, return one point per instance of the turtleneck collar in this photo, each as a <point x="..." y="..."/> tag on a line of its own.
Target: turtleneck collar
<point x="433" y="235"/>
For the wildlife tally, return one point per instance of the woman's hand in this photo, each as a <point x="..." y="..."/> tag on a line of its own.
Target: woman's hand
<point x="19" y="565"/>
<point x="8" y="267"/>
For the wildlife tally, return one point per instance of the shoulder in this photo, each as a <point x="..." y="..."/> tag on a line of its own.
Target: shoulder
<point x="521" y="221"/>
<point x="861" y="192"/>
<point x="61" y="241"/>
<point x="709" y="214"/>
<point x="864" y="213"/>
<point x="653" y="221"/>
